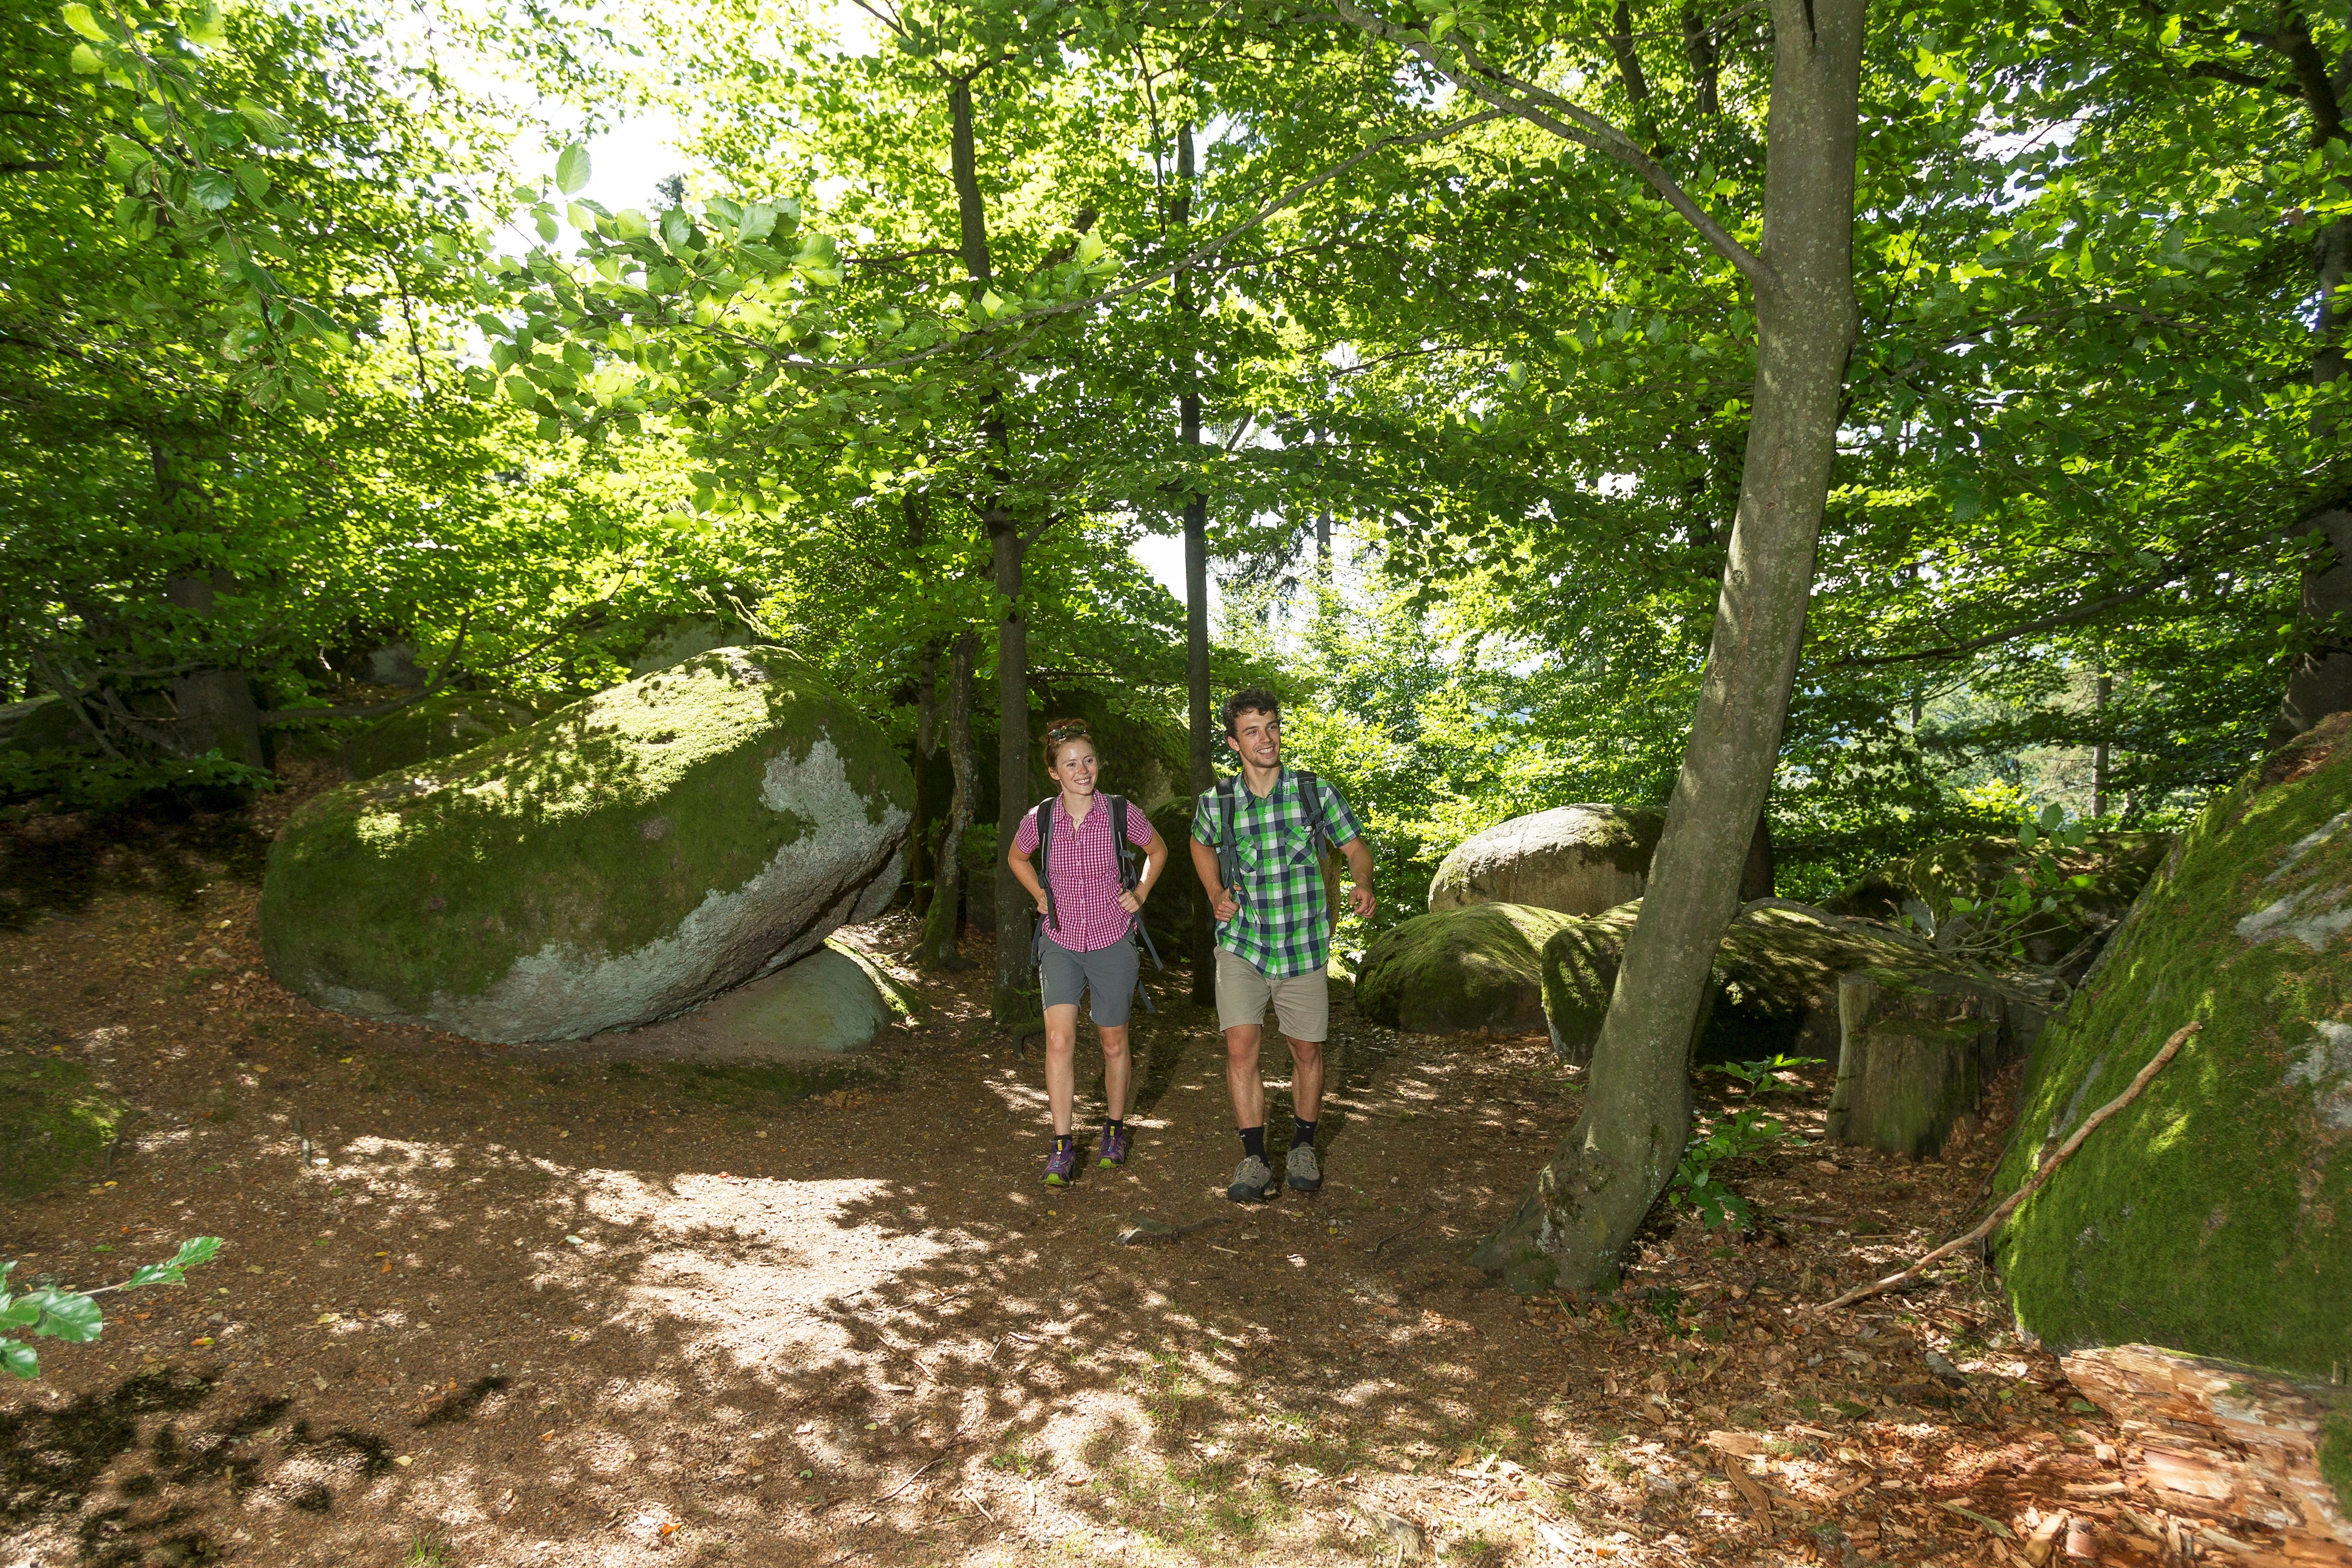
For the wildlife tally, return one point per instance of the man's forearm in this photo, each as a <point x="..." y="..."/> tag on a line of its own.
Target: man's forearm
<point x="1359" y="862"/>
<point x="1204" y="866"/>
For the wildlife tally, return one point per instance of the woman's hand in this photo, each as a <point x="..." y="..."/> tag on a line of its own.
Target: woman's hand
<point x="1044" y="907"/>
<point x="1131" y="901"/>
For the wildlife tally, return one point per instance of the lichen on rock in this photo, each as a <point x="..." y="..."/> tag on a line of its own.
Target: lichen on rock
<point x="2207" y="1216"/>
<point x="623" y="859"/>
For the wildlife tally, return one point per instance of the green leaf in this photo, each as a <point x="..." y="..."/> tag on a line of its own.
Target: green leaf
<point x="21" y="1360"/>
<point x="211" y="190"/>
<point x="253" y="180"/>
<point x="85" y="61"/>
<point x="205" y="28"/>
<point x="572" y="169"/>
<point x="68" y="1315"/>
<point x="78" y="16"/>
<point x="15" y="1313"/>
<point x="631" y="223"/>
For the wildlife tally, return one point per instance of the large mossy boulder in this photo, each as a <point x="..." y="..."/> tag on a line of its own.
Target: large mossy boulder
<point x="442" y="725"/>
<point x="619" y="860"/>
<point x="1577" y="860"/>
<point x="825" y="1002"/>
<point x="1774" y="986"/>
<point x="1920" y="888"/>
<point x="1459" y="970"/>
<point x="2213" y="1215"/>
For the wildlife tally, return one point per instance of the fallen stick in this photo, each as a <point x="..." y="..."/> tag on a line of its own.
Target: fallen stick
<point x="2155" y="1065"/>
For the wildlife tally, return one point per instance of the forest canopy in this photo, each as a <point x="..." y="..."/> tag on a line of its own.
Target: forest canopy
<point x="312" y="348"/>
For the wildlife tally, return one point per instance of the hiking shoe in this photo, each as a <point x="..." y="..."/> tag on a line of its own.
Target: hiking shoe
<point x="1113" y="1151"/>
<point x="1062" y="1166"/>
<point x="1253" y="1181"/>
<point x="1306" y="1170"/>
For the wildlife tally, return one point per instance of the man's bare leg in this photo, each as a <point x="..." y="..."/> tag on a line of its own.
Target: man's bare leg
<point x="1242" y="1079"/>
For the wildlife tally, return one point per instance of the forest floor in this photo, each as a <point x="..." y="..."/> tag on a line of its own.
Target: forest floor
<point x="541" y="1306"/>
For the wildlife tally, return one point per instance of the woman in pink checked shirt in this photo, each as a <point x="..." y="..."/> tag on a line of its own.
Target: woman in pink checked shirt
<point x="1088" y="912"/>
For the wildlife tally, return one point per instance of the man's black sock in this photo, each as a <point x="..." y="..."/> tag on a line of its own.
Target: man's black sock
<point x="1063" y="1141"/>
<point x="1254" y="1142"/>
<point x="1302" y="1134"/>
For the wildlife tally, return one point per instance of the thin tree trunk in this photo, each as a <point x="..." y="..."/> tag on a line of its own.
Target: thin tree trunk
<point x="1196" y="581"/>
<point x="919" y="870"/>
<point x="1583" y="1207"/>
<point x="1011" y="1003"/>
<point x="2105" y="689"/>
<point x="940" y="922"/>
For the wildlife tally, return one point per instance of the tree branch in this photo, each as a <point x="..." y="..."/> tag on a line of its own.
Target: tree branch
<point x="1571" y="123"/>
<point x="2073" y="617"/>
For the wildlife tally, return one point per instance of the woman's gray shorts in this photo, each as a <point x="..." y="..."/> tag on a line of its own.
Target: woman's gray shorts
<point x="1109" y="971"/>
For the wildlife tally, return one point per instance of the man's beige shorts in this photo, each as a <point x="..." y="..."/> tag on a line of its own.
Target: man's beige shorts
<point x="1302" y="1003"/>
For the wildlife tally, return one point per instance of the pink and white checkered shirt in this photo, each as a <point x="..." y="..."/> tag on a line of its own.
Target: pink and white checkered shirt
<point x="1083" y="868"/>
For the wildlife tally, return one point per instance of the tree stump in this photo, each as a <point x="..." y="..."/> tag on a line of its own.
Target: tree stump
<point x="2221" y="1440"/>
<point x="1914" y="1053"/>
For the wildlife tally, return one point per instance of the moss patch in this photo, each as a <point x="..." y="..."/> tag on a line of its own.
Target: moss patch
<point x="445" y="725"/>
<point x="55" y="1120"/>
<point x="2209" y="1216"/>
<point x="736" y="1086"/>
<point x="1460" y="970"/>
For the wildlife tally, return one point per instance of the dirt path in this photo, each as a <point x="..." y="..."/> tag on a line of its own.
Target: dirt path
<point x="491" y="1307"/>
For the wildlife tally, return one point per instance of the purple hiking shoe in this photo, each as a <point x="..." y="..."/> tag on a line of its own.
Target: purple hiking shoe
<point x="1113" y="1153"/>
<point x="1062" y="1166"/>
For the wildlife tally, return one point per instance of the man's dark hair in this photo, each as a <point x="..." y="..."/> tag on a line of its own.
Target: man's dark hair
<point x="1254" y="699"/>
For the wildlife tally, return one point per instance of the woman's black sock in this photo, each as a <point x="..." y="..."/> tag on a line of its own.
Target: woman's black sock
<point x="1114" y="1125"/>
<point x="1254" y="1142"/>
<point x="1063" y="1141"/>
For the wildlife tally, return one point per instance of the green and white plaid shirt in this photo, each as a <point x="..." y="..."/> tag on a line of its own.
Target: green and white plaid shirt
<point x="1284" y="924"/>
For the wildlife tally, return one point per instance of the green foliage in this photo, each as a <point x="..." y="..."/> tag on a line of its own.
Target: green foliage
<point x="1694" y="1185"/>
<point x="73" y="1317"/>
<point x="2038" y="893"/>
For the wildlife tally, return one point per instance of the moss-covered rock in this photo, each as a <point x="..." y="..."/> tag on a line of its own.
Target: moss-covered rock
<point x="443" y="725"/>
<point x="2210" y="1214"/>
<point x="56" y="1118"/>
<point x="1774" y="986"/>
<point x="825" y="1002"/>
<point x="1579" y="860"/>
<point x="619" y="860"/>
<point x="1921" y="887"/>
<point x="43" y="723"/>
<point x="1459" y="970"/>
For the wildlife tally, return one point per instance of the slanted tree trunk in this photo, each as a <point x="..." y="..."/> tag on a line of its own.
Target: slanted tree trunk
<point x="1585" y="1206"/>
<point x="1199" y="705"/>
<point x="938" y="945"/>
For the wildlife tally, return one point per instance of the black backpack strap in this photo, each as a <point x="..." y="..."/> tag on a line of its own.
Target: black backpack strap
<point x="1118" y="842"/>
<point x="1310" y="793"/>
<point x="1045" y="875"/>
<point x="1229" y="849"/>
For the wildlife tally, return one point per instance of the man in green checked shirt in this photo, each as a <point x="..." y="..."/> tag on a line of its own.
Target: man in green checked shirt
<point x="1255" y="843"/>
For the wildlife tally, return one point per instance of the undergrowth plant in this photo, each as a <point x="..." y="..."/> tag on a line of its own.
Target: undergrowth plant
<point x="52" y="1312"/>
<point x="2037" y="892"/>
<point x="1694" y="1185"/>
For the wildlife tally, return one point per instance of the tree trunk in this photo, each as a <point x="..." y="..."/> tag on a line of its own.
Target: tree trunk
<point x="1199" y="706"/>
<point x="939" y="947"/>
<point x="921" y="873"/>
<point x="213" y="708"/>
<point x="1015" y="1002"/>
<point x="2104" y="690"/>
<point x="1585" y="1206"/>
<point x="2319" y="683"/>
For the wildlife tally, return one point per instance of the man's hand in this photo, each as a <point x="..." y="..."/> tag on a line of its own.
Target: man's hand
<point x="1360" y="900"/>
<point x="1223" y="904"/>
